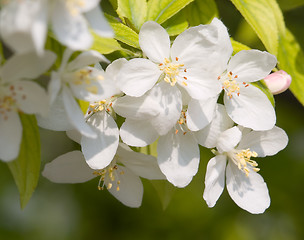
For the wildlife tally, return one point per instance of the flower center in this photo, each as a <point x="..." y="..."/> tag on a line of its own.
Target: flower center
<point x="106" y="104"/>
<point x="8" y="100"/>
<point x="182" y="123"/>
<point x="74" y="6"/>
<point x="109" y="176"/>
<point x="172" y="70"/>
<point x="241" y="158"/>
<point x="229" y="84"/>
<point x="87" y="77"/>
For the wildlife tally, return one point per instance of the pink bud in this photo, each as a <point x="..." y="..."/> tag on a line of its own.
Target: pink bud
<point x="278" y="82"/>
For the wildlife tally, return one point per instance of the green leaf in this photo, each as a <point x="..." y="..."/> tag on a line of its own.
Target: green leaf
<point x="176" y="25"/>
<point x="150" y="149"/>
<point x="105" y="45"/>
<point x="26" y="168"/>
<point x="123" y="33"/>
<point x="165" y="191"/>
<point x="84" y="105"/>
<point x="237" y="46"/>
<point x="134" y="10"/>
<point x="200" y="12"/>
<point x="265" y="17"/>
<point x="290" y="4"/>
<point x="161" y="10"/>
<point x="291" y="60"/>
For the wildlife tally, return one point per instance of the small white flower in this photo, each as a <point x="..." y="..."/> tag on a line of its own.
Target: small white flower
<point x="120" y="177"/>
<point x="76" y="79"/>
<point x="18" y="94"/>
<point x="245" y="104"/>
<point x="235" y="148"/>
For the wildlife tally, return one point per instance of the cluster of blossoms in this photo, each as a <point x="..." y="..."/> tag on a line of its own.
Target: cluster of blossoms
<point x="185" y="94"/>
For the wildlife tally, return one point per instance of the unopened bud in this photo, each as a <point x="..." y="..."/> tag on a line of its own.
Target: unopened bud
<point x="278" y="82"/>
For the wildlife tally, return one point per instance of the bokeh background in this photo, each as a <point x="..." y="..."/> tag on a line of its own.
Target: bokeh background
<point x="80" y="211"/>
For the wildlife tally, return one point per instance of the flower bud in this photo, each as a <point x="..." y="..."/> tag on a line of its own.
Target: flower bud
<point x="278" y="82"/>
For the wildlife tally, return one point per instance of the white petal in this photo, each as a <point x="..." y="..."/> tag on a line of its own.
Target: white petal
<point x="137" y="108"/>
<point x="29" y="65"/>
<point x="130" y="188"/>
<point x="251" y="65"/>
<point x="199" y="84"/>
<point x="74" y="135"/>
<point x="251" y="109"/>
<point x="114" y="68"/>
<point x="10" y="137"/>
<point x="100" y="151"/>
<point x="200" y="113"/>
<point x="31" y="98"/>
<point x="137" y="77"/>
<point x="141" y="164"/>
<point x="75" y="114"/>
<point x="214" y="179"/>
<point x="99" y="23"/>
<point x="84" y="59"/>
<point x="249" y="193"/>
<point x="228" y="139"/>
<point x="178" y="157"/>
<point x="23" y="25"/>
<point x="137" y="133"/>
<point x="154" y="41"/>
<point x="68" y="168"/>
<point x="208" y="136"/>
<point x="54" y="86"/>
<point x="265" y="143"/>
<point x="57" y="118"/>
<point x="169" y="103"/>
<point x="70" y="29"/>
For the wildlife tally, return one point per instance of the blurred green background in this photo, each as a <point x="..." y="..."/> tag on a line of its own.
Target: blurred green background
<point x="80" y="211"/>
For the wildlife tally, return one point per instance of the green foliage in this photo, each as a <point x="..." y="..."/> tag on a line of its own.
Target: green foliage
<point x="176" y="24"/>
<point x="123" y="33"/>
<point x="291" y="60"/>
<point x="200" y="12"/>
<point x="237" y="46"/>
<point x="105" y="45"/>
<point x="265" y="18"/>
<point x="134" y="10"/>
<point x="165" y="191"/>
<point x="26" y="168"/>
<point x="162" y="10"/>
<point x="290" y="4"/>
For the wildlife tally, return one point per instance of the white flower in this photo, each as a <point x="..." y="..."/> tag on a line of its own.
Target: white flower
<point x="77" y="79"/>
<point x="23" y="24"/>
<point x="121" y="177"/>
<point x="18" y="94"/>
<point x="245" y="104"/>
<point x="235" y="147"/>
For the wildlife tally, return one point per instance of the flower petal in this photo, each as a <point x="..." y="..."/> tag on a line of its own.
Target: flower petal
<point x="54" y="86"/>
<point x="154" y="41"/>
<point x="178" y="157"/>
<point x="169" y="103"/>
<point x="214" y="179"/>
<point x="29" y="65"/>
<point x="138" y="133"/>
<point x="74" y="135"/>
<point x="141" y="164"/>
<point x="84" y="59"/>
<point x="137" y="76"/>
<point x="68" y="168"/>
<point x="200" y="113"/>
<point x="228" y="139"/>
<point x="251" y="65"/>
<point x="130" y="188"/>
<point x="136" y="108"/>
<point x="265" y="143"/>
<point x="199" y="84"/>
<point x="57" y="118"/>
<point x="75" y="115"/>
<point x="251" y="109"/>
<point x="208" y="136"/>
<point x="31" y="98"/>
<point x="100" y="151"/>
<point x="99" y="23"/>
<point x="70" y="29"/>
<point x="249" y="193"/>
<point x="10" y="137"/>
